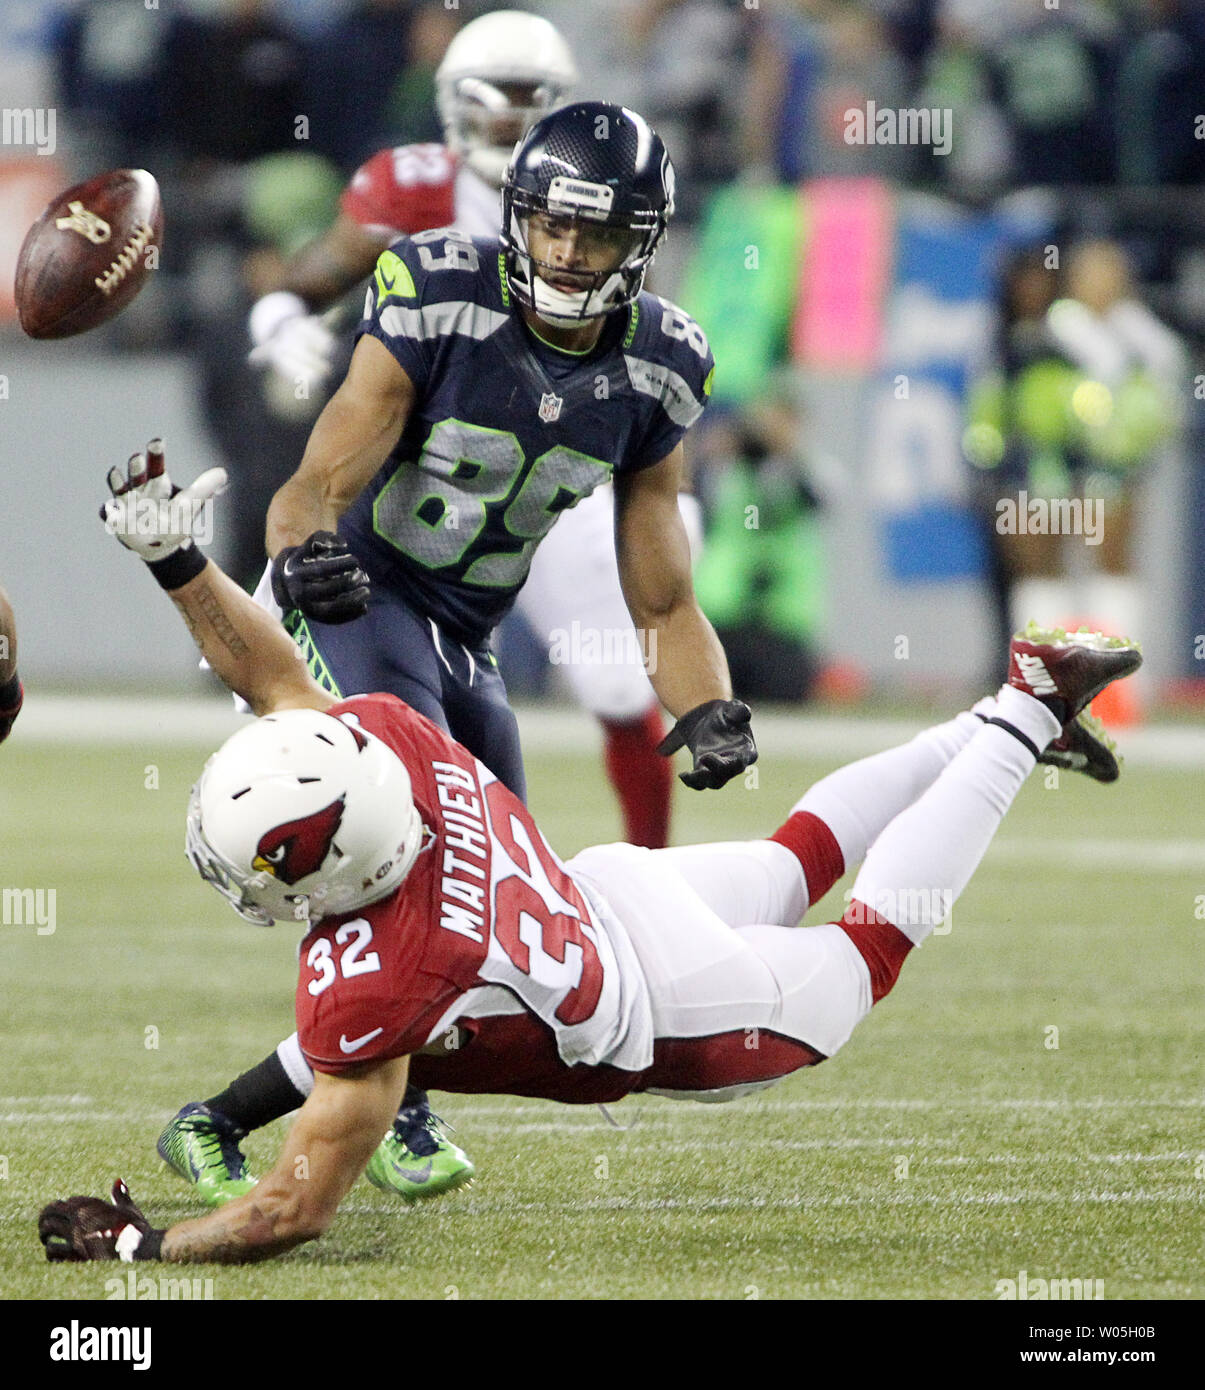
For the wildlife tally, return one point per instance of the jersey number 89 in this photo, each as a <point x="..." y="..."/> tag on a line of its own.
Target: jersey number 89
<point x="471" y="482"/>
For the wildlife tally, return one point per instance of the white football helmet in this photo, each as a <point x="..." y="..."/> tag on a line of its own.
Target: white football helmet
<point x="482" y="120"/>
<point x="303" y="815"/>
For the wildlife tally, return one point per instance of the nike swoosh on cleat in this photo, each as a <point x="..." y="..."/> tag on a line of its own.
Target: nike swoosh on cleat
<point x="421" y="1176"/>
<point x="1034" y="671"/>
<point x="357" y="1043"/>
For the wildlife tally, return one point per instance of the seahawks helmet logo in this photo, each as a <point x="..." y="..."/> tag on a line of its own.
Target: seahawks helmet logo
<point x="299" y="847"/>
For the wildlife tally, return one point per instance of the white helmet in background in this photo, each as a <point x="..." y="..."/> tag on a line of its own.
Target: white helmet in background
<point x="501" y="73"/>
<point x="303" y="815"/>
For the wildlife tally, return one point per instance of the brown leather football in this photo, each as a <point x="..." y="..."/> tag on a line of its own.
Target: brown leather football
<point x="89" y="254"/>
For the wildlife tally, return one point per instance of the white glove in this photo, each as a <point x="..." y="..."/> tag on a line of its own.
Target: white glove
<point x="150" y="515"/>
<point x="290" y="340"/>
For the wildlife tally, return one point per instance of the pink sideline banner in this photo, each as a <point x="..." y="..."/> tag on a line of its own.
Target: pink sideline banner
<point x="838" y="324"/>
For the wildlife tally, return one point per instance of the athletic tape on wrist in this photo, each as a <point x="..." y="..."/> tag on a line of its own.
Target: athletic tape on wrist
<point x="133" y="1244"/>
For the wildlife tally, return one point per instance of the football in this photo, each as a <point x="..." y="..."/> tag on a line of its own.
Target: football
<point x="89" y="254"/>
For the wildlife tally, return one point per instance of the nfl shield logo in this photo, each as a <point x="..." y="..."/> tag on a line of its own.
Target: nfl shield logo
<point x="550" y="407"/>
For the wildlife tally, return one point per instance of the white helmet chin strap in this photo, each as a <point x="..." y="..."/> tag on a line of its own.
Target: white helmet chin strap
<point x="566" y="310"/>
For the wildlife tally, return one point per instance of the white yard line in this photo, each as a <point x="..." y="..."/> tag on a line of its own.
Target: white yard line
<point x="205" y="722"/>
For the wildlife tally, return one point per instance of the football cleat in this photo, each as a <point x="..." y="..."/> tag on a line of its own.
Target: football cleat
<point x="1085" y="747"/>
<point x="1066" y="671"/>
<point x="415" y="1160"/>
<point x="202" y="1146"/>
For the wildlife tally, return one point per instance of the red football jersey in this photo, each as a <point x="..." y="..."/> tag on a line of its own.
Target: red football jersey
<point x="410" y="188"/>
<point x="487" y="907"/>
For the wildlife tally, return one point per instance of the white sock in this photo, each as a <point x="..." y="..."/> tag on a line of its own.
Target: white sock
<point x="923" y="860"/>
<point x="1028" y="714"/>
<point x="297" y="1069"/>
<point x="857" y="801"/>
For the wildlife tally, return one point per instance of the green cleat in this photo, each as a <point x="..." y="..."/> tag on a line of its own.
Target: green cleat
<point x="202" y="1146"/>
<point x="415" y="1160"/>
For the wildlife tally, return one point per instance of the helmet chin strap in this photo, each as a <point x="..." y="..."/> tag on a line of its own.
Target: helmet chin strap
<point x="560" y="308"/>
<point x="569" y="309"/>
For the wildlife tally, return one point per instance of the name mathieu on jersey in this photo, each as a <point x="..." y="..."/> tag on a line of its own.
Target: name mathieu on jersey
<point x="506" y="432"/>
<point x="488" y="923"/>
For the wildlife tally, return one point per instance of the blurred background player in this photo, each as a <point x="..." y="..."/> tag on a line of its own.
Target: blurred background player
<point x="11" y="691"/>
<point x="499" y="74"/>
<point x="470" y="418"/>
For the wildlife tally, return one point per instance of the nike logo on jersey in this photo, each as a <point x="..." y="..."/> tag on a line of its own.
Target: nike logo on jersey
<point x="1036" y="676"/>
<point x="355" y="1044"/>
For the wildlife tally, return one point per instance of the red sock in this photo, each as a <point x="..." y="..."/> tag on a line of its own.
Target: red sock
<point x="642" y="778"/>
<point x="816" y="848"/>
<point x="882" y="946"/>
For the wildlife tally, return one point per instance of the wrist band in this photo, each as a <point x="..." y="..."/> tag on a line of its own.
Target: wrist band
<point x="150" y="1247"/>
<point x="133" y="1244"/>
<point x="176" y="569"/>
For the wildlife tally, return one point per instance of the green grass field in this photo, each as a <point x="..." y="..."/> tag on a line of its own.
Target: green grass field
<point x="949" y="1146"/>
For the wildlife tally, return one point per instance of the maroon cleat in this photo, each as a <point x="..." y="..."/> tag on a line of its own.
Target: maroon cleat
<point x="1068" y="670"/>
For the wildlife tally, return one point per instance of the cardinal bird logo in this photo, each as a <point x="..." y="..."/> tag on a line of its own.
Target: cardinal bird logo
<point x="299" y="847"/>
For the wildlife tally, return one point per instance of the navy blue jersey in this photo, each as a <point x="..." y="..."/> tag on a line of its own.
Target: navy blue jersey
<point x="506" y="432"/>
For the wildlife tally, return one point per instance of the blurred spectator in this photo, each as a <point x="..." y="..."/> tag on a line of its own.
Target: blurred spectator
<point x="259" y="423"/>
<point x="232" y="83"/>
<point x="1019" y="439"/>
<point x="957" y="77"/>
<point x="1087" y="386"/>
<point x="813" y="63"/>
<point x="107" y="59"/>
<point x="409" y="115"/>
<point x="1054" y="80"/>
<point x="760" y="577"/>
<point x="691" y="57"/>
<point x="360" y="95"/>
<point x="1132" y="371"/>
<point x="1161" y="95"/>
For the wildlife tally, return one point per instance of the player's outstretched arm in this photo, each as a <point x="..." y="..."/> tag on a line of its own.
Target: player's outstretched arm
<point x="350" y="441"/>
<point x="313" y="571"/>
<point x="686" y="662"/>
<point x="335" y="1133"/>
<point x="243" y="643"/>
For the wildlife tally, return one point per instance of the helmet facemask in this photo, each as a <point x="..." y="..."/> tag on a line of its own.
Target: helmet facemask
<point x="633" y="238"/>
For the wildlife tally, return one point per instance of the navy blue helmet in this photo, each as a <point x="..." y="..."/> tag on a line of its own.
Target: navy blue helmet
<point x="604" y="169"/>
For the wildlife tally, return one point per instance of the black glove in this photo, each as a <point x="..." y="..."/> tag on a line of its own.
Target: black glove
<point x="322" y="579"/>
<point x="85" y="1228"/>
<point x="719" y="736"/>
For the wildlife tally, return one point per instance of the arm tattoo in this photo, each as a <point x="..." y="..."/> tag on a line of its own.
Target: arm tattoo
<point x="209" y="605"/>
<point x="228" y="1238"/>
